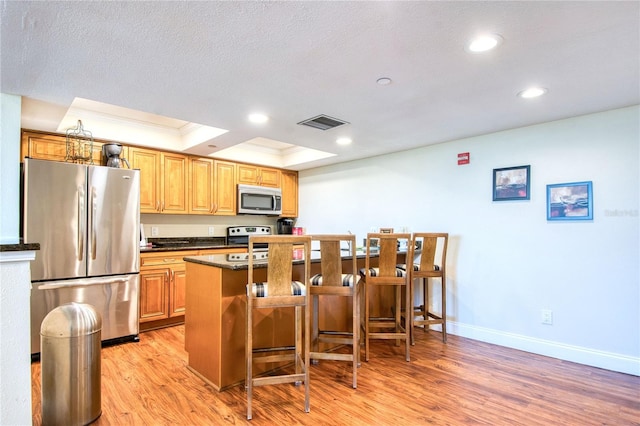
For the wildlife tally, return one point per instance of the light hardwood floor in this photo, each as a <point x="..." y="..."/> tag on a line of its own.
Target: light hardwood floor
<point x="458" y="383"/>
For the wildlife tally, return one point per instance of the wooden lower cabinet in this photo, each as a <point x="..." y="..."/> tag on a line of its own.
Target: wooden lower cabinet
<point x="163" y="286"/>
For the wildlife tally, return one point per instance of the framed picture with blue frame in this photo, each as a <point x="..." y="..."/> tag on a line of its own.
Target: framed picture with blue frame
<point x="570" y="201"/>
<point x="511" y="183"/>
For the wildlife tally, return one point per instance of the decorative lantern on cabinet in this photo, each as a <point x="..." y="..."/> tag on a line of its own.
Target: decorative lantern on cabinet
<point x="79" y="145"/>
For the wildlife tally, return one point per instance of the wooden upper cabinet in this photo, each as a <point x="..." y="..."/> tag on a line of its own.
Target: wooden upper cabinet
<point x="44" y="146"/>
<point x="212" y="186"/>
<point x="201" y="185"/>
<point x="148" y="161"/>
<point x="224" y="188"/>
<point x="174" y="183"/>
<point x="163" y="180"/>
<point x="255" y="175"/>
<point x="289" y="193"/>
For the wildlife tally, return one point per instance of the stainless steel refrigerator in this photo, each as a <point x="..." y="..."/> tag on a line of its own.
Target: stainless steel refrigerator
<point x="87" y="221"/>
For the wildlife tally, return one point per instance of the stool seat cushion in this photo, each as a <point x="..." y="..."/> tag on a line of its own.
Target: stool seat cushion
<point x="262" y="289"/>
<point x="347" y="280"/>
<point x="416" y="267"/>
<point x="374" y="272"/>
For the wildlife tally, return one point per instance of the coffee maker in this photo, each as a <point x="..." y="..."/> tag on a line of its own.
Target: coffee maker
<point x="112" y="152"/>
<point x="284" y="226"/>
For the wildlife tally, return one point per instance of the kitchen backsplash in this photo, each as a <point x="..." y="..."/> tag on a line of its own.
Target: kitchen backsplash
<point x="171" y="226"/>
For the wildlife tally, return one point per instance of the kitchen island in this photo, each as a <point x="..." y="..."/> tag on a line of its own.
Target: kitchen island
<point x="216" y="314"/>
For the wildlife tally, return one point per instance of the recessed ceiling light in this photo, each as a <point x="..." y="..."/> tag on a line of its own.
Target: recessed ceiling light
<point x="532" y="92"/>
<point x="384" y="81"/>
<point x="484" y="43"/>
<point x="343" y="141"/>
<point x="258" y="118"/>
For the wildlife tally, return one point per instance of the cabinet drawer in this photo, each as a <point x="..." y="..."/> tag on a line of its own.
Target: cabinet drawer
<point x="166" y="258"/>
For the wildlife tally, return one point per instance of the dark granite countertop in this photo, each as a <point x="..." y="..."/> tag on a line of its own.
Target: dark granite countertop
<point x="222" y="260"/>
<point x="20" y="247"/>
<point x="154" y="249"/>
<point x="186" y="243"/>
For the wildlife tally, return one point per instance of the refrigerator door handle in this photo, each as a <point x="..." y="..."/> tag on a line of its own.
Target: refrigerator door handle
<point x="81" y="223"/>
<point x="94" y="234"/>
<point x="76" y="283"/>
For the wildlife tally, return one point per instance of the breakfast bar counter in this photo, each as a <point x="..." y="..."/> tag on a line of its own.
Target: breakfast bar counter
<point x="216" y="314"/>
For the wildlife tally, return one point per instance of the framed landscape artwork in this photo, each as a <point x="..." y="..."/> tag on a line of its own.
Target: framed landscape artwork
<point x="511" y="183"/>
<point x="570" y="201"/>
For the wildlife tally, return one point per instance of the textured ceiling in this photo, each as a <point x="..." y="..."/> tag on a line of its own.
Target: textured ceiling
<point x="213" y="63"/>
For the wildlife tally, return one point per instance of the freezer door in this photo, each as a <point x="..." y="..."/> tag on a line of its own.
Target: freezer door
<point x="115" y="298"/>
<point x="55" y="217"/>
<point x="114" y="221"/>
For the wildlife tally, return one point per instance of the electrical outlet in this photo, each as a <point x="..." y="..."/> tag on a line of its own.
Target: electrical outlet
<point x="211" y="230"/>
<point x="547" y="316"/>
<point x="154" y="231"/>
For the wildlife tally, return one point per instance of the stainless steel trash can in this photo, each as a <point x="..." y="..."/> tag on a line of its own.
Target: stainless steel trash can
<point x="70" y="364"/>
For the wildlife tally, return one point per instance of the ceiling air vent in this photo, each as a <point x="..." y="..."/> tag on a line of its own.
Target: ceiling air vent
<point x="323" y="122"/>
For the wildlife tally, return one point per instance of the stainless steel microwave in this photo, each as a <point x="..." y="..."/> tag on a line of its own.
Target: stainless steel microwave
<point x="259" y="200"/>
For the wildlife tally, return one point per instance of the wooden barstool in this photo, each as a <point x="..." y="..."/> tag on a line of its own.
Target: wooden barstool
<point x="432" y="264"/>
<point x="386" y="274"/>
<point x="341" y="279"/>
<point x="280" y="290"/>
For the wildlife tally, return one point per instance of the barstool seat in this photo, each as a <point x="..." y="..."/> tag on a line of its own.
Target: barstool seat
<point x="346" y="280"/>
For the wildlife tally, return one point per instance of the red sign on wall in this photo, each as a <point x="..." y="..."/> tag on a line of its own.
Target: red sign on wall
<point x="463" y="158"/>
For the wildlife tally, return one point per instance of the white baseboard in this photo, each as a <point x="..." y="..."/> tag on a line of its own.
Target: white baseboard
<point x="595" y="358"/>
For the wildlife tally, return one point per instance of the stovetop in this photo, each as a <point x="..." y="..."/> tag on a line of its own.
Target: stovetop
<point x="246" y="231"/>
<point x="243" y="257"/>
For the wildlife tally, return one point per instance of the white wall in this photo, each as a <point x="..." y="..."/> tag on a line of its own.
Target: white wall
<point x="506" y="262"/>
<point x="15" y="279"/>
<point x="9" y="168"/>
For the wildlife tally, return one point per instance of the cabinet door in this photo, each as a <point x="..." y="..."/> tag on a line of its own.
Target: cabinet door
<point x="289" y="193"/>
<point x="174" y="183"/>
<point x="201" y="188"/>
<point x="225" y="188"/>
<point x="153" y="294"/>
<point x="148" y="162"/>
<point x="177" y="300"/>
<point x="254" y="175"/>
<point x="247" y="175"/>
<point x="270" y="177"/>
<point x="44" y="146"/>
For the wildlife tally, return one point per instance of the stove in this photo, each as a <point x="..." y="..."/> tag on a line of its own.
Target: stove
<point x="239" y="235"/>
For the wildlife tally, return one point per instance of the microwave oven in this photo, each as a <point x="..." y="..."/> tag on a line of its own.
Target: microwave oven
<point x="259" y="200"/>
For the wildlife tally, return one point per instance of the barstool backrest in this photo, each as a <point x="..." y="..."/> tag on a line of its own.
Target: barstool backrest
<point x="433" y="251"/>
<point x="387" y="252"/>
